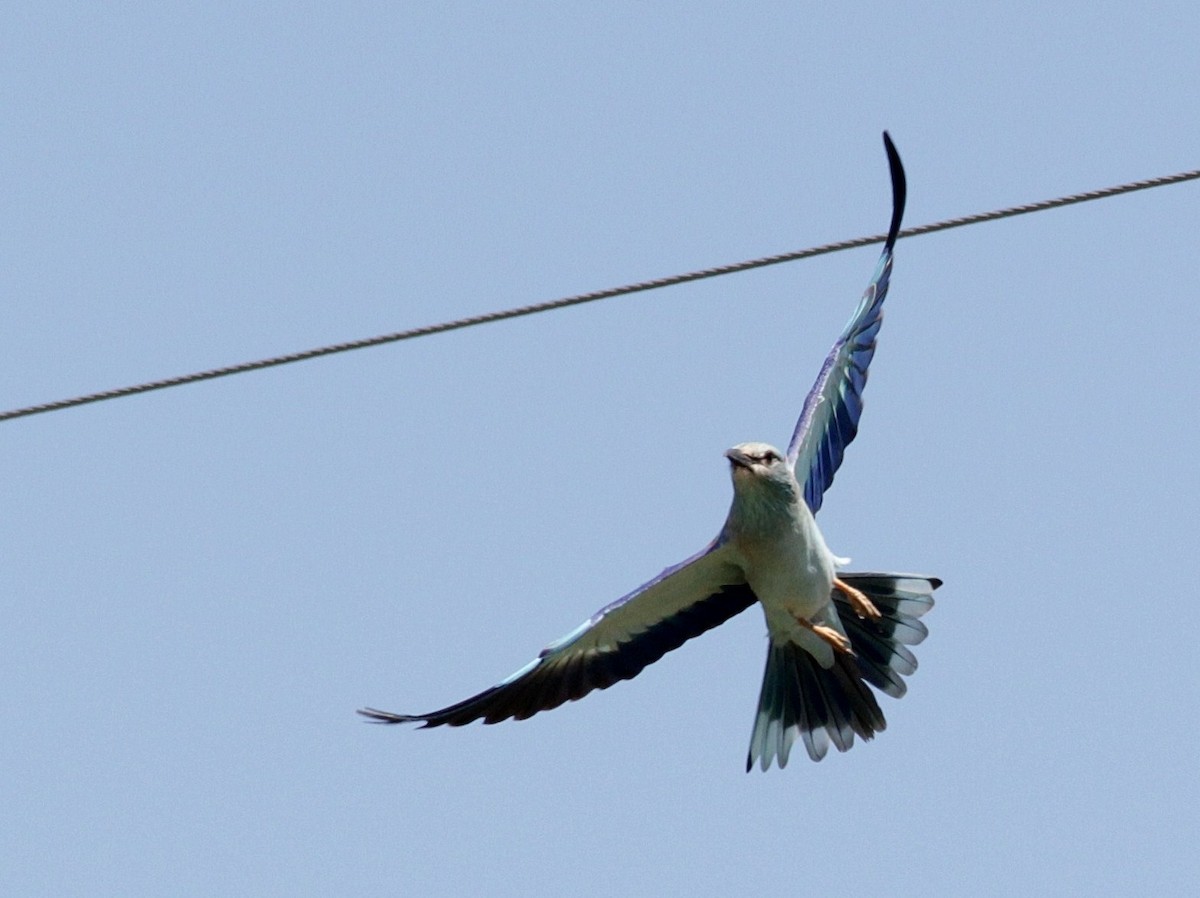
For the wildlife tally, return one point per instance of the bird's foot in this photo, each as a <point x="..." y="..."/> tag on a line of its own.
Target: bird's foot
<point x="862" y="606"/>
<point x="839" y="642"/>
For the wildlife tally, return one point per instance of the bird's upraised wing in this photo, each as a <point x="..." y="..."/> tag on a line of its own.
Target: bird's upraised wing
<point x="615" y="643"/>
<point x="829" y="420"/>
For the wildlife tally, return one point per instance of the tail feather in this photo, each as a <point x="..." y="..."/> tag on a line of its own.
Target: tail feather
<point x="820" y="706"/>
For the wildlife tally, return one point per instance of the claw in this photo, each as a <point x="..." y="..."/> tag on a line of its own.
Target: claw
<point x="839" y="642"/>
<point x="836" y="640"/>
<point x="862" y="606"/>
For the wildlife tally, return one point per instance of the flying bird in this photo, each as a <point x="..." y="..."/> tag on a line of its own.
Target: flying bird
<point x="832" y="634"/>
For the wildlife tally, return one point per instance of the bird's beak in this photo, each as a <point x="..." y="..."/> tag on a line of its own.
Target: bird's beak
<point x="737" y="458"/>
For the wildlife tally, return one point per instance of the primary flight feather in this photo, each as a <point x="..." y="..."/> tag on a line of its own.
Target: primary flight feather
<point x="832" y="634"/>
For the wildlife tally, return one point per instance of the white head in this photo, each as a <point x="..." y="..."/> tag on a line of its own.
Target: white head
<point x="758" y="465"/>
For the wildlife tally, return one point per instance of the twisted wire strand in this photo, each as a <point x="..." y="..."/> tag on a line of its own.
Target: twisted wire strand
<point x="581" y="298"/>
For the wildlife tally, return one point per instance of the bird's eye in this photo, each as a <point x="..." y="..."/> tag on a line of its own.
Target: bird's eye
<point x="770" y="458"/>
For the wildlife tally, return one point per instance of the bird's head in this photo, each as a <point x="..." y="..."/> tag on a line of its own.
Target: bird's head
<point x="760" y="465"/>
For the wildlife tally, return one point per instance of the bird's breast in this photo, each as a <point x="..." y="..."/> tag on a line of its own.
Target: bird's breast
<point x="790" y="571"/>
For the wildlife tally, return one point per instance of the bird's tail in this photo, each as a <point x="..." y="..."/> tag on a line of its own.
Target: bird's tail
<point x="830" y="705"/>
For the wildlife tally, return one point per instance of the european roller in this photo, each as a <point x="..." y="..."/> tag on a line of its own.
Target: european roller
<point x="832" y="634"/>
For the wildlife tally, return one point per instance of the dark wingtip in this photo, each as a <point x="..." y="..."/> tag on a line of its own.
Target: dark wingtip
<point x="899" y="189"/>
<point x="374" y="715"/>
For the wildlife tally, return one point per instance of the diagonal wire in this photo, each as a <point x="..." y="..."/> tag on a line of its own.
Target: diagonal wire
<point x="580" y="299"/>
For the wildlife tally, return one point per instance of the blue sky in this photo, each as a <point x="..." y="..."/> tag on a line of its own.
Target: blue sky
<point x="202" y="584"/>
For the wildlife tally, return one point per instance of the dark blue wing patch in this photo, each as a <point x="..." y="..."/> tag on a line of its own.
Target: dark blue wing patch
<point x="829" y="420"/>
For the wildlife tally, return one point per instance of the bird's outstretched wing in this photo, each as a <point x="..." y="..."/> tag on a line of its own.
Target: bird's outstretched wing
<point x="616" y="643"/>
<point x="829" y="420"/>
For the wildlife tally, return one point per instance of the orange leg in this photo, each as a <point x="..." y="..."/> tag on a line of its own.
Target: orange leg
<point x="839" y="642"/>
<point x="862" y="606"/>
